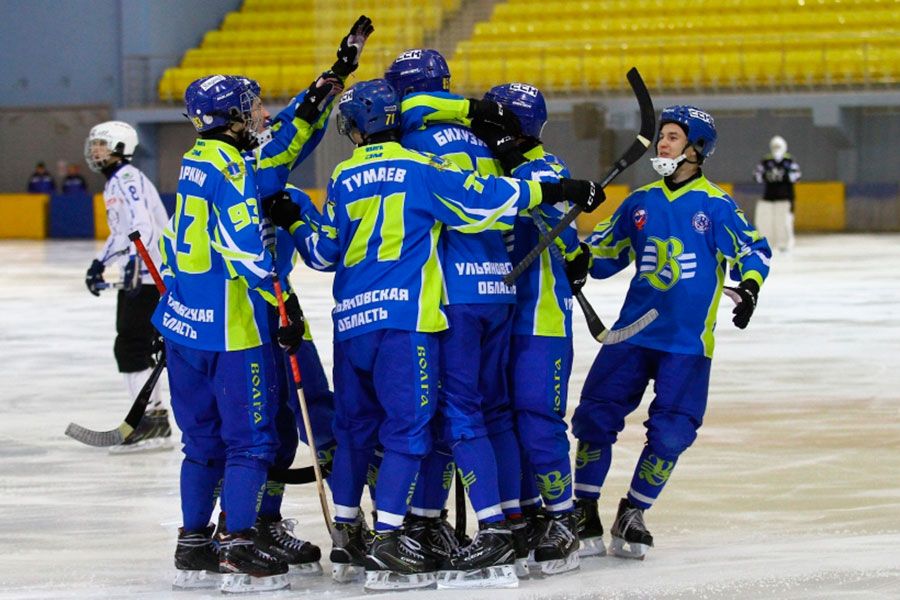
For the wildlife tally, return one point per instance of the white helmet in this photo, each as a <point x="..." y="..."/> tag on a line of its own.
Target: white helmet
<point x="112" y="138"/>
<point x="778" y="147"/>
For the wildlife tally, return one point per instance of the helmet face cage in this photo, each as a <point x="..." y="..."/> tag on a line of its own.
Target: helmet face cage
<point x="369" y="107"/>
<point x="526" y="102"/>
<point x="108" y="140"/>
<point x="419" y="70"/>
<point x="699" y="126"/>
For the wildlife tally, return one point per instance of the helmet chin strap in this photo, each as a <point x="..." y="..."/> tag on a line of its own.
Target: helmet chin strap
<point x="667" y="166"/>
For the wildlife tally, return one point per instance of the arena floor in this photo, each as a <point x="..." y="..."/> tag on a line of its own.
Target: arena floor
<point x="791" y="490"/>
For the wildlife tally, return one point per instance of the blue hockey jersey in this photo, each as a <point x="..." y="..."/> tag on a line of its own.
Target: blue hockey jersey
<point x="213" y="252"/>
<point x="474" y="265"/>
<point x="543" y="295"/>
<point x="381" y="225"/>
<point x="682" y="241"/>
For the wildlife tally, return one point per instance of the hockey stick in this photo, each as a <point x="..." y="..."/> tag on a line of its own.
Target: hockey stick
<point x="595" y="325"/>
<point x="634" y="152"/>
<point x="459" y="500"/>
<point x="295" y="369"/>
<point x="114" y="437"/>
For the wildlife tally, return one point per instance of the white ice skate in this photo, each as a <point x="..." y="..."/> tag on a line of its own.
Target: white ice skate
<point x="630" y="538"/>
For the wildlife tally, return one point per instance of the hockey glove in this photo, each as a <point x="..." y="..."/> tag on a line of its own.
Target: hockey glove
<point x="131" y="278"/>
<point x="290" y="336"/>
<point x="352" y="46"/>
<point x="317" y="96"/>
<point x="282" y="211"/>
<point x="94" y="277"/>
<point x="488" y="112"/>
<point x="585" y="194"/>
<point x="503" y="146"/>
<point x="744" y="296"/>
<point x="577" y="268"/>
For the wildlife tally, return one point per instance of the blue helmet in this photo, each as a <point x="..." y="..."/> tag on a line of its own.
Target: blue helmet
<point x="369" y="106"/>
<point x="419" y="70"/>
<point x="698" y="125"/>
<point x="217" y="100"/>
<point x="526" y="102"/>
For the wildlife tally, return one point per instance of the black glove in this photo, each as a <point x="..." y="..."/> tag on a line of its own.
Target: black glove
<point x="577" y="268"/>
<point x="94" y="277"/>
<point x="488" y="112"/>
<point x="317" y="96"/>
<point x="351" y="47"/>
<point x="744" y="296"/>
<point x="503" y="146"/>
<point x="131" y="278"/>
<point x="281" y="210"/>
<point x="290" y="336"/>
<point x="586" y="194"/>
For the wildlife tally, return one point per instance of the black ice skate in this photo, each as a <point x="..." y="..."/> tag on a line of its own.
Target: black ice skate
<point x="397" y="562"/>
<point x="558" y="551"/>
<point x="152" y="433"/>
<point x="274" y="537"/>
<point x="246" y="568"/>
<point x="630" y="538"/>
<point x="535" y="528"/>
<point x="196" y="560"/>
<point x="487" y="562"/>
<point x="434" y="534"/>
<point x="348" y="552"/>
<point x="590" y="529"/>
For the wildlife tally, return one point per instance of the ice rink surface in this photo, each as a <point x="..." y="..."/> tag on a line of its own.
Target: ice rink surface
<point x="792" y="489"/>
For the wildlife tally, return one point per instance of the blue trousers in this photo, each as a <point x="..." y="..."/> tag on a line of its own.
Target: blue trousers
<point x="613" y="390"/>
<point x="539" y="381"/>
<point x="225" y="405"/>
<point x="385" y="394"/>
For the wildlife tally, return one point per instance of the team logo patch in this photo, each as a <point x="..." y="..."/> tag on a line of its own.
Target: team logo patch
<point x="234" y="170"/>
<point x="640" y="218"/>
<point x="700" y="222"/>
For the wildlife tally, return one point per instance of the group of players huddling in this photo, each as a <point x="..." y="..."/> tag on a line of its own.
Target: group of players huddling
<point x="440" y="369"/>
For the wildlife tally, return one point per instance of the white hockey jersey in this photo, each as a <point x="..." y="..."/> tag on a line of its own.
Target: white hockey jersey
<point x="132" y="203"/>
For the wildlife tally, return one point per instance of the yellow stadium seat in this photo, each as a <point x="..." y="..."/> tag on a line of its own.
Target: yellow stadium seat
<point x="721" y="68"/>
<point x="764" y="68"/>
<point x="560" y="74"/>
<point x="804" y="67"/>
<point x="603" y="71"/>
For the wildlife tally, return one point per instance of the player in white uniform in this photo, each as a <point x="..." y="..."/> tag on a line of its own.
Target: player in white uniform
<point x="132" y="204"/>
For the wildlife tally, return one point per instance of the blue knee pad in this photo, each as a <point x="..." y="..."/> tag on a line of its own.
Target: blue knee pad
<point x="669" y="435"/>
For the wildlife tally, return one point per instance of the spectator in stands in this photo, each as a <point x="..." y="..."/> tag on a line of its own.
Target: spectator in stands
<point x="774" y="214"/>
<point x="74" y="183"/>
<point x="41" y="181"/>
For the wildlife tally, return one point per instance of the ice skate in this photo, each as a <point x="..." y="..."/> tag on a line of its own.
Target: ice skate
<point x="397" y="562"/>
<point x="630" y="538"/>
<point x="152" y="433"/>
<point x="536" y="525"/>
<point x="519" y="527"/>
<point x="348" y="552"/>
<point x="434" y="534"/>
<point x="558" y="551"/>
<point x="196" y="560"/>
<point x="274" y="537"/>
<point x="590" y="529"/>
<point x="487" y="562"/>
<point x="246" y="568"/>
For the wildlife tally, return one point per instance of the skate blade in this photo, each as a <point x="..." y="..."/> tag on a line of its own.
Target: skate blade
<point x="391" y="580"/>
<point x="522" y="570"/>
<point x="240" y="583"/>
<point x="309" y="569"/>
<point x="498" y="576"/>
<point x="194" y="580"/>
<point x="560" y="565"/>
<point x="344" y="573"/>
<point x="151" y="445"/>
<point x="592" y="546"/>
<point x="624" y="549"/>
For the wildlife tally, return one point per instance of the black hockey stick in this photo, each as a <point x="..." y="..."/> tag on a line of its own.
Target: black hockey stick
<point x="459" y="499"/>
<point x="634" y="152"/>
<point x="114" y="437"/>
<point x="595" y="325"/>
